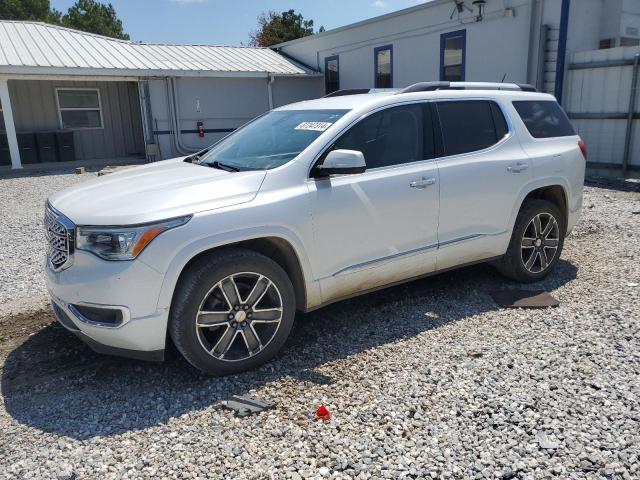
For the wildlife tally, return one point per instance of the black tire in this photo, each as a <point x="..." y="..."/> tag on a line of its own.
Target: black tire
<point x="202" y="283"/>
<point x="513" y="264"/>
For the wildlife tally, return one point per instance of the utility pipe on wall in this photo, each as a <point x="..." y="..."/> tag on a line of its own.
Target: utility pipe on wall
<point x="174" y="121"/>
<point x="562" y="48"/>
<point x="632" y="106"/>
<point x="270" y="81"/>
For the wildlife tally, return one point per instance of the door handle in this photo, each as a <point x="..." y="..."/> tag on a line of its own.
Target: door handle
<point x="423" y="183"/>
<point x="517" y="167"/>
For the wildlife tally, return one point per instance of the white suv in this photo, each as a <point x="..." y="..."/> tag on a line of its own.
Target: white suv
<point x="309" y="204"/>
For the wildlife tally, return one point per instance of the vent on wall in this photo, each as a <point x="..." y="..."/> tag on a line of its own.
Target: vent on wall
<point x="607" y="43"/>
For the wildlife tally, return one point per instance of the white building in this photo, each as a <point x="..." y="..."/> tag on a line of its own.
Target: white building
<point x="520" y="41"/>
<point x="68" y="95"/>
<point x="576" y="50"/>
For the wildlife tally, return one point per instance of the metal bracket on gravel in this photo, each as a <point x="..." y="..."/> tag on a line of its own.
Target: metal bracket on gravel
<point x="243" y="405"/>
<point x="524" y="299"/>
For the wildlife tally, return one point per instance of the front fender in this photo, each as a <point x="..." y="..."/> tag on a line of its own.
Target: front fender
<point x="194" y="248"/>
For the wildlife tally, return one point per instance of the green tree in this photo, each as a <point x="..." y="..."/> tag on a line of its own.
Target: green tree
<point x="280" y="27"/>
<point x="95" y="17"/>
<point x="37" y="10"/>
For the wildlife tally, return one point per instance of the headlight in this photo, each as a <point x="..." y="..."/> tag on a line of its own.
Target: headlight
<point x="122" y="243"/>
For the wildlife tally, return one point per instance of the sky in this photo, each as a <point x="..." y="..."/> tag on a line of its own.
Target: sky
<point x="223" y="22"/>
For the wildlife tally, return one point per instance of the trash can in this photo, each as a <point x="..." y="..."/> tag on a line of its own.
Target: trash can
<point x="5" y="155"/>
<point x="47" y="151"/>
<point x="65" y="146"/>
<point x="27" y="147"/>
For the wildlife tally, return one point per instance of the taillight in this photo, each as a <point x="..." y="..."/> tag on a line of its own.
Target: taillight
<point x="583" y="149"/>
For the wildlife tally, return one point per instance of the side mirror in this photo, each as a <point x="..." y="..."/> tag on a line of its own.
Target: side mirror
<point x="341" y="162"/>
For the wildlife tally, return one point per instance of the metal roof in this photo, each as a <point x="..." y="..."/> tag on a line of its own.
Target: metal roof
<point x="40" y="48"/>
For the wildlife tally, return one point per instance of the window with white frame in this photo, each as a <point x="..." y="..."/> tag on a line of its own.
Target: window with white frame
<point x="79" y="108"/>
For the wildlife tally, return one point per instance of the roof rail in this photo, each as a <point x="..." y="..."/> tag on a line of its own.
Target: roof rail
<point x="347" y="91"/>
<point x="432" y="86"/>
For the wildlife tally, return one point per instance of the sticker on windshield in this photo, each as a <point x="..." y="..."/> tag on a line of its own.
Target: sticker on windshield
<point x="315" y="126"/>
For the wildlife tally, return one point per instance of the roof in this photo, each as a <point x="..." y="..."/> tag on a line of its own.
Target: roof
<point x="379" y="18"/>
<point x="40" y="48"/>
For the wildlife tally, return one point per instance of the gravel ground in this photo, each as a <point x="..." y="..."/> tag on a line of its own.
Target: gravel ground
<point x="426" y="380"/>
<point x="22" y="201"/>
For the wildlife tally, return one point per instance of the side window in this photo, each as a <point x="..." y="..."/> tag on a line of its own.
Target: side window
<point x="383" y="62"/>
<point x="470" y="125"/>
<point x="453" y="47"/>
<point x="544" y="119"/>
<point x="393" y="136"/>
<point x="332" y="74"/>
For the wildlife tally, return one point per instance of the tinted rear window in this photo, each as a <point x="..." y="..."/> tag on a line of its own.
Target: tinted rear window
<point x="544" y="119"/>
<point x="471" y="125"/>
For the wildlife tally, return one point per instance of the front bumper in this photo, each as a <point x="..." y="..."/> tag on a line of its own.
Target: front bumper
<point x="131" y="288"/>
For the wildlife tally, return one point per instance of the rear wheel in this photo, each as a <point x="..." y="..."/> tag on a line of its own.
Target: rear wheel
<point x="536" y="242"/>
<point x="232" y="311"/>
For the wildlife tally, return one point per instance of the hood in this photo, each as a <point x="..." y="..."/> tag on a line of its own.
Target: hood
<point x="161" y="190"/>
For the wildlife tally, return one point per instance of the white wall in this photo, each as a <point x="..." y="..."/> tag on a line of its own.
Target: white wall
<point x="495" y="46"/>
<point x="630" y="20"/>
<point x="223" y="103"/>
<point x="290" y="89"/>
<point x="585" y="19"/>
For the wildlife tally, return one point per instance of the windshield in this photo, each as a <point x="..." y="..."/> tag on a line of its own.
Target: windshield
<point x="271" y="140"/>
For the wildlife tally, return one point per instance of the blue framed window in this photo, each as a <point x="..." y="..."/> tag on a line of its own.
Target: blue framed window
<point x="332" y="74"/>
<point x="453" y="55"/>
<point x="383" y="66"/>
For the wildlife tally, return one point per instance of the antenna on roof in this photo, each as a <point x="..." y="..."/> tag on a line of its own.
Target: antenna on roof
<point x="503" y="78"/>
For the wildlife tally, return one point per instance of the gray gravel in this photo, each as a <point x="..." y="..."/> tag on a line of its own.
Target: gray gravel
<point x="22" y="201"/>
<point x="425" y="380"/>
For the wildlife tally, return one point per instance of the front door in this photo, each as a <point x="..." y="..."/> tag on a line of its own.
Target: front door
<point x="378" y="227"/>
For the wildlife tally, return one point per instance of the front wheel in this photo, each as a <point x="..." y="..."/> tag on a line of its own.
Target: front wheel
<point x="536" y="242"/>
<point x="232" y="311"/>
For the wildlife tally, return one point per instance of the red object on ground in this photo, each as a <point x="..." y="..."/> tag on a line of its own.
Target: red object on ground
<point x="323" y="413"/>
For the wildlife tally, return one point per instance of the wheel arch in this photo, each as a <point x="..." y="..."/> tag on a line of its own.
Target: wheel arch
<point x="553" y="190"/>
<point x="555" y="194"/>
<point x="277" y="249"/>
<point x="280" y="249"/>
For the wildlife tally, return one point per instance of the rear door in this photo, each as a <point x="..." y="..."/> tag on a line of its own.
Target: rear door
<point x="482" y="170"/>
<point x="378" y="227"/>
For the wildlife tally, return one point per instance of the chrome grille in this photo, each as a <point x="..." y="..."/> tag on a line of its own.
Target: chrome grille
<point x="59" y="232"/>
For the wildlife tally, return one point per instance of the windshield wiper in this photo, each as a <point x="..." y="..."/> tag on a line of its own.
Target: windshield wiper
<point x="224" y="166"/>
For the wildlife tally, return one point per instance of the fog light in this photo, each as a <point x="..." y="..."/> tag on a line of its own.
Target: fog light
<point x="111" y="317"/>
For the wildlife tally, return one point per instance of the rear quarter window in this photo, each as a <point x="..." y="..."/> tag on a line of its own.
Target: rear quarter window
<point x="470" y="125"/>
<point x="544" y="119"/>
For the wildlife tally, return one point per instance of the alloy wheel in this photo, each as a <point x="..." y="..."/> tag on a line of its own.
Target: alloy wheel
<point x="540" y="242"/>
<point x="239" y="316"/>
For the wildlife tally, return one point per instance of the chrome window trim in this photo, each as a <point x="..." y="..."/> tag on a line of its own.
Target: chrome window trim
<point x="509" y="134"/>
